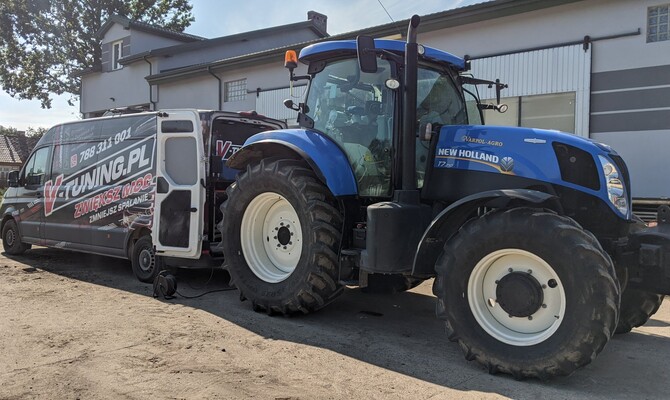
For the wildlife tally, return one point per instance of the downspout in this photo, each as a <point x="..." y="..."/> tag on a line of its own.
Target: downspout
<point x="209" y="69"/>
<point x="151" y="100"/>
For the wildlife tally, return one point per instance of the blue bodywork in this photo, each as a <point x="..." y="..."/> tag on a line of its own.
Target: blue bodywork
<point x="325" y="157"/>
<point x="522" y="152"/>
<point x="319" y="50"/>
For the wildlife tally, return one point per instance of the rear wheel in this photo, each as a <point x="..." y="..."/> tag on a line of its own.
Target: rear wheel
<point x="281" y="235"/>
<point x="11" y="240"/>
<point x="146" y="264"/>
<point x="527" y="292"/>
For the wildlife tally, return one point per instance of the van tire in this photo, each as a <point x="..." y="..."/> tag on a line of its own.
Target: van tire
<point x="283" y="197"/>
<point x="11" y="239"/>
<point x="146" y="264"/>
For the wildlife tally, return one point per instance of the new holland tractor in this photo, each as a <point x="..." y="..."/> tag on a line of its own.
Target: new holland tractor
<point x="392" y="179"/>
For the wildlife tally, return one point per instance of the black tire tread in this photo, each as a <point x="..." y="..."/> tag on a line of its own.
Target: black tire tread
<point x="637" y="306"/>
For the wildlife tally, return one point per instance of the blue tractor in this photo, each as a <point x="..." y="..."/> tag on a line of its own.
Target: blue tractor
<point x="392" y="179"/>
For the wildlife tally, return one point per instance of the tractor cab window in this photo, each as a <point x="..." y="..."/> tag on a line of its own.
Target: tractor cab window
<point x="438" y="102"/>
<point x="356" y="110"/>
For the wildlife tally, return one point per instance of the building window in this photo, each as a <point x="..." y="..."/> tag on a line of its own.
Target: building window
<point x="657" y="23"/>
<point x="548" y="111"/>
<point x="117" y="53"/>
<point x="235" y="90"/>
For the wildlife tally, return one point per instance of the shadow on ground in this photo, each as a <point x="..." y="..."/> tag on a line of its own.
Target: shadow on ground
<point x="396" y="332"/>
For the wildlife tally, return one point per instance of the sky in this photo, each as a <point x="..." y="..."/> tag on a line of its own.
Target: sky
<point x="212" y="20"/>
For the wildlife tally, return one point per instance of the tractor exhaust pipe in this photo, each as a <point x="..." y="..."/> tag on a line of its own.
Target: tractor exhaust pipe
<point x="408" y="142"/>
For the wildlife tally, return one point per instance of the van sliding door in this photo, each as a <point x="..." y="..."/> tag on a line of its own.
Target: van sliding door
<point x="180" y="189"/>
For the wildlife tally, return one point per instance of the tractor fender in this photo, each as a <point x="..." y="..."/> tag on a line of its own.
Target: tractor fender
<point x="449" y="221"/>
<point x="323" y="155"/>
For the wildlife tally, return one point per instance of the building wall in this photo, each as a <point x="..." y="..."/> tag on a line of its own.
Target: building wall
<point x="629" y="104"/>
<point x="199" y="92"/>
<point x="126" y="86"/>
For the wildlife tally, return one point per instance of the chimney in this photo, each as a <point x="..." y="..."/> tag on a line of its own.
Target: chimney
<point x="320" y="21"/>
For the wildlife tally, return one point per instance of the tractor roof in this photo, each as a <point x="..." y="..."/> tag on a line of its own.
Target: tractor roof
<point x="323" y="50"/>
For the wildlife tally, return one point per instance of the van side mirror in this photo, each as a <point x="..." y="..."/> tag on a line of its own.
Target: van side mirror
<point x="13" y="179"/>
<point x="367" y="56"/>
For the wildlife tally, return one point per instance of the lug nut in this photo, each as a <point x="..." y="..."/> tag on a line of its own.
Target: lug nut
<point x="510" y="270"/>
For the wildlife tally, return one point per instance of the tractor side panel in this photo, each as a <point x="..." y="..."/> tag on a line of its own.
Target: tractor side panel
<point x="471" y="159"/>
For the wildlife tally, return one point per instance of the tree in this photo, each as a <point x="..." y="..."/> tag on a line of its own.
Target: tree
<point x="8" y="131"/>
<point x="44" y="42"/>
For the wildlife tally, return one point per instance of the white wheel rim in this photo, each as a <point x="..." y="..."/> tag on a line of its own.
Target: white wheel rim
<point x="517" y="331"/>
<point x="271" y="237"/>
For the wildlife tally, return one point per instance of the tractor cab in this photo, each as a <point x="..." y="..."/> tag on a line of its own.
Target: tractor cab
<point x="361" y="109"/>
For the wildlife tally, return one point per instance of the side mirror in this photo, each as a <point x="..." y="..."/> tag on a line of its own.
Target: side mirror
<point x="13" y="179"/>
<point x="367" y="56"/>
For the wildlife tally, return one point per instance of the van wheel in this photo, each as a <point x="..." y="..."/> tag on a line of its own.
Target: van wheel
<point x="527" y="292"/>
<point x="146" y="264"/>
<point x="281" y="235"/>
<point x="11" y="240"/>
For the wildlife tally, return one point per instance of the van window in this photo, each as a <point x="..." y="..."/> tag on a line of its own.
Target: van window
<point x="36" y="167"/>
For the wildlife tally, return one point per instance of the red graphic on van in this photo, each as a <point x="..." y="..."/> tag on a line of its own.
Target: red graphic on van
<point x="226" y="149"/>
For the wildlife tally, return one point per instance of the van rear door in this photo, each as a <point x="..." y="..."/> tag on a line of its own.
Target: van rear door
<point x="180" y="189"/>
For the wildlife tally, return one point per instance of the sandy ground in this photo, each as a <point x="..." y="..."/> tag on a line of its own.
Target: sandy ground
<point x="76" y="326"/>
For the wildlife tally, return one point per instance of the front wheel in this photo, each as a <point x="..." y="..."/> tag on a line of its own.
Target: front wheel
<point x="281" y="234"/>
<point x="11" y="240"/>
<point x="527" y="292"/>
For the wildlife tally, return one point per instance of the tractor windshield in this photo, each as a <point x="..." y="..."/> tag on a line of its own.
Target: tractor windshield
<point x="356" y="110"/>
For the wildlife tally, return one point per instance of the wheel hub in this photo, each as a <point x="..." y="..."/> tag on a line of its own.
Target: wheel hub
<point x="519" y="294"/>
<point x="146" y="260"/>
<point x="283" y="235"/>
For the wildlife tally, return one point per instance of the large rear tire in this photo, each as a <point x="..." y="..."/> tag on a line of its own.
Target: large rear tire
<point x="11" y="239"/>
<point x="281" y="235"/>
<point x="527" y="292"/>
<point x="637" y="306"/>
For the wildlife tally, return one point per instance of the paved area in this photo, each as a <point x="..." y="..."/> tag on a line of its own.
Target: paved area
<point x="80" y="326"/>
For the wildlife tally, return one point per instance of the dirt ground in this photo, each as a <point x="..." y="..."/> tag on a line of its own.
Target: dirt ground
<point x="75" y="326"/>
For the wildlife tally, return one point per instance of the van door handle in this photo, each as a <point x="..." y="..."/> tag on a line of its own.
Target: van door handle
<point x="193" y="209"/>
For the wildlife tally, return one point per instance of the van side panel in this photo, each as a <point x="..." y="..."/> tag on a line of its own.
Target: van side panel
<point x="102" y="183"/>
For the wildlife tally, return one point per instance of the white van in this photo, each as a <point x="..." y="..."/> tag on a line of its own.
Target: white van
<point x="130" y="186"/>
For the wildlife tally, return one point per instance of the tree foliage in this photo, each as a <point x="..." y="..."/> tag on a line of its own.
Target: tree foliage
<point x="43" y="42"/>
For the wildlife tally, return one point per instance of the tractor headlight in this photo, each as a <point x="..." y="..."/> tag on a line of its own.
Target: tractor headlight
<point x="616" y="191"/>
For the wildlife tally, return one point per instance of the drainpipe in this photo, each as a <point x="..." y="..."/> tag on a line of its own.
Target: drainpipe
<point x="151" y="100"/>
<point x="209" y="69"/>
